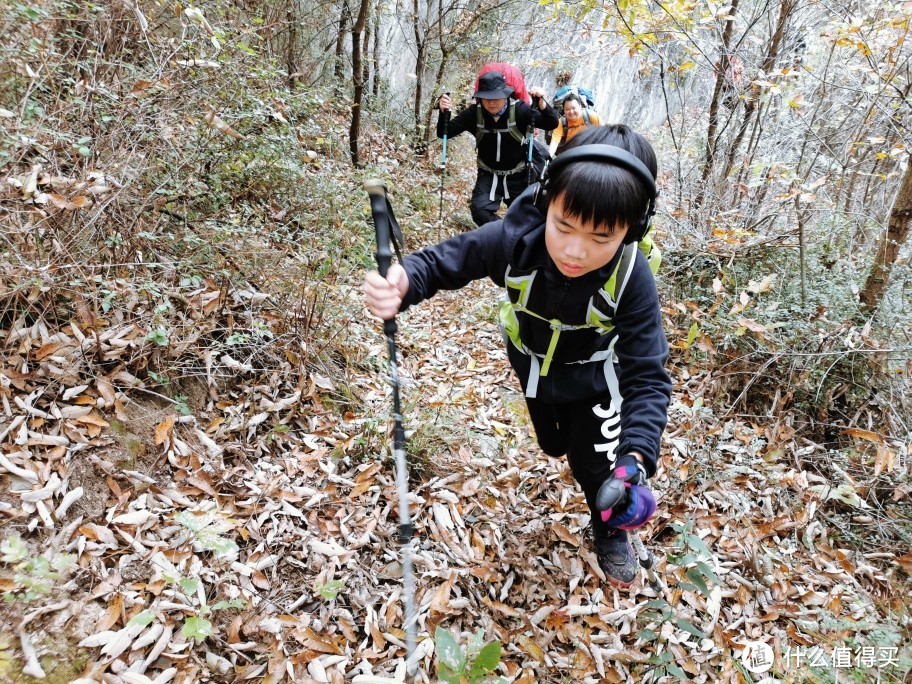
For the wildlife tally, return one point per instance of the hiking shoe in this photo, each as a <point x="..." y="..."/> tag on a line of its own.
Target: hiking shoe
<point x="615" y="556"/>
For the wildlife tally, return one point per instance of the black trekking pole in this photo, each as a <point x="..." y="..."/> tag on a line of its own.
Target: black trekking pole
<point x="531" y="138"/>
<point x="612" y="493"/>
<point x="388" y="231"/>
<point x="443" y="159"/>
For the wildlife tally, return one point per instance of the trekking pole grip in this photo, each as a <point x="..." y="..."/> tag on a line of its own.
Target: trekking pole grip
<point x="445" y="116"/>
<point x="610" y="494"/>
<point x="376" y="190"/>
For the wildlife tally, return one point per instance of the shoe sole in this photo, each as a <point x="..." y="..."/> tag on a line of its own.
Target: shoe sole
<point x="617" y="583"/>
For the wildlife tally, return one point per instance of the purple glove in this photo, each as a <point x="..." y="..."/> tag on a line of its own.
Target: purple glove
<point x="624" y="501"/>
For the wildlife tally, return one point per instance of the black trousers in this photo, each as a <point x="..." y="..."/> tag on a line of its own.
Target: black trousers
<point x="484" y="209"/>
<point x="588" y="432"/>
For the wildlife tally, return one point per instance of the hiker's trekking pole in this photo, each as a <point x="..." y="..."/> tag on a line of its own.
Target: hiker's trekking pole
<point x="388" y="231"/>
<point x="529" y="179"/>
<point x="647" y="561"/>
<point x="612" y="493"/>
<point x="443" y="159"/>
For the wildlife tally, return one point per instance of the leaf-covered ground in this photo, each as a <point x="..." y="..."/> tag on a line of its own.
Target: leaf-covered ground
<point x="249" y="532"/>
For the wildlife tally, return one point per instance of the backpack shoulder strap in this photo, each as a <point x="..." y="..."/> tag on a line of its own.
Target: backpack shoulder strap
<point x="586" y="116"/>
<point x="511" y="123"/>
<point x="603" y="306"/>
<point x="650" y="251"/>
<point x="512" y="128"/>
<point x="617" y="282"/>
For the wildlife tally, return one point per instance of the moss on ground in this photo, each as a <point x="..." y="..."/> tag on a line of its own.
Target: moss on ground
<point x="62" y="660"/>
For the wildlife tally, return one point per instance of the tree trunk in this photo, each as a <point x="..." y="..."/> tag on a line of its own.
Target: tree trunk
<point x="375" y="85"/>
<point x="751" y="106"/>
<point x="671" y="130"/>
<point x="291" y="64"/>
<point x="358" y="80"/>
<point x="801" y="217"/>
<point x="712" y="134"/>
<point x="339" y="65"/>
<point x="438" y="79"/>
<point x="366" y="51"/>
<point x="420" y="60"/>
<point x="890" y="243"/>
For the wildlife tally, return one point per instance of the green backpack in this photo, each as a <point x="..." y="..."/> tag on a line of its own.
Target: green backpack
<point x="602" y="307"/>
<point x="512" y="128"/>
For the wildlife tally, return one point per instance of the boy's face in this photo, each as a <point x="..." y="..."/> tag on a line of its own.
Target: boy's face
<point x="579" y="248"/>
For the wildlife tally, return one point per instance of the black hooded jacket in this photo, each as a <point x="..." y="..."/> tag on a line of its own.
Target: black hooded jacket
<point x="512" y="152"/>
<point x="518" y="241"/>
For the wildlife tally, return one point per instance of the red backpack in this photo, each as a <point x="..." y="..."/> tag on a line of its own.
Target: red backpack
<point x="514" y="79"/>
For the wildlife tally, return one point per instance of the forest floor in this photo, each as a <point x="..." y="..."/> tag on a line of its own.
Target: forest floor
<point x="249" y="532"/>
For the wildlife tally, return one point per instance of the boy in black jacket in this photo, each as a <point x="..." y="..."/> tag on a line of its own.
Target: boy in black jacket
<point x="583" y="323"/>
<point x="501" y="126"/>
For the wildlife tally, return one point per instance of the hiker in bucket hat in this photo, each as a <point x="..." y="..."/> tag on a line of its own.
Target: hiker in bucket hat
<point x="501" y="125"/>
<point x="493" y="86"/>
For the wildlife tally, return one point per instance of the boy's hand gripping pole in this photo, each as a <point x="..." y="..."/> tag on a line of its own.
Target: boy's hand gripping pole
<point x="445" y="115"/>
<point x="388" y="231"/>
<point x="613" y="493"/>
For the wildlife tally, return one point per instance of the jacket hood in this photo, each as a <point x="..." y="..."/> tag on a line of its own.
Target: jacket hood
<point x="524" y="230"/>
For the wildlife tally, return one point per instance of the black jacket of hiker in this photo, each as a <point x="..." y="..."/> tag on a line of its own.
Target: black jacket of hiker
<point x="512" y="152"/>
<point x="641" y="350"/>
<point x="502" y="172"/>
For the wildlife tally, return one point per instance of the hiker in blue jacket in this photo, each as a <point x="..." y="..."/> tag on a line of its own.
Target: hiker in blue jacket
<point x="501" y="126"/>
<point x="583" y="323"/>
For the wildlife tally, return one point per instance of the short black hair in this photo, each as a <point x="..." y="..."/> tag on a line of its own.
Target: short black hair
<point x="572" y="97"/>
<point x="600" y="192"/>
